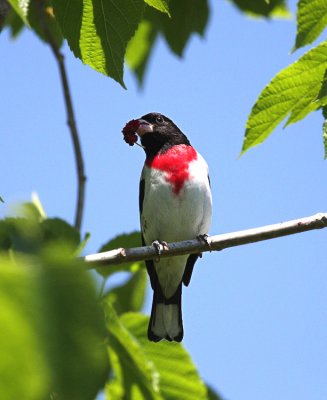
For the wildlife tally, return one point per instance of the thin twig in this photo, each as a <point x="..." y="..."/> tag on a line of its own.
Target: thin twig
<point x="80" y="169"/>
<point x="217" y="242"/>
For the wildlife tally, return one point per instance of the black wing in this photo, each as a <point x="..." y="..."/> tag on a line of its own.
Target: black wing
<point x="190" y="262"/>
<point x="149" y="263"/>
<point x="189" y="268"/>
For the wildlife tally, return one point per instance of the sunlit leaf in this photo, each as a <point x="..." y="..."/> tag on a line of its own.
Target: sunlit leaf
<point x="293" y="91"/>
<point x="161" y="5"/>
<point x="322" y="95"/>
<point x="98" y="31"/>
<point x="179" y="378"/>
<point x="21" y="8"/>
<point x="37" y="202"/>
<point x="311" y="21"/>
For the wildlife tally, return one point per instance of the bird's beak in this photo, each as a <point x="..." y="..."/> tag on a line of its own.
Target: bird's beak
<point x="144" y="127"/>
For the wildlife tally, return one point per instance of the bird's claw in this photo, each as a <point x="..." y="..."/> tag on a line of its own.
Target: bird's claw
<point x="159" y="247"/>
<point x="204" y="239"/>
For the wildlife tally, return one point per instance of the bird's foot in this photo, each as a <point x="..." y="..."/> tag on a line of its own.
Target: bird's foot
<point x="204" y="239"/>
<point x="159" y="247"/>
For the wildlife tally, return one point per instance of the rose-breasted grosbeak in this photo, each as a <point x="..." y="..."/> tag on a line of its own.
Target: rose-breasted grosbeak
<point x="175" y="204"/>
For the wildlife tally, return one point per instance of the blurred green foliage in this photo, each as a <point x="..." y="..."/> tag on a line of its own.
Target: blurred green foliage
<point x="67" y="338"/>
<point x="53" y="334"/>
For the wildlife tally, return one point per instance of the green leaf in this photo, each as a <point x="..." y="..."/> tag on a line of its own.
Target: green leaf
<point x="82" y="244"/>
<point x="20" y="234"/>
<point x="37" y="15"/>
<point x="29" y="211"/>
<point x="32" y="210"/>
<point x="1" y="200"/>
<point x="140" y="48"/>
<point x="126" y="241"/>
<point x="19" y="339"/>
<point x="43" y="22"/>
<point x="98" y="31"/>
<point x="73" y="327"/>
<point x="21" y="7"/>
<point x="37" y="203"/>
<point x="52" y="329"/>
<point x="29" y="235"/>
<point x="324" y="130"/>
<point x="161" y="5"/>
<point x="263" y="8"/>
<point x="178" y="377"/>
<point x="187" y="17"/>
<point x="131" y="295"/>
<point x="311" y="21"/>
<point x="212" y="394"/>
<point x="58" y="230"/>
<point x="69" y="14"/>
<point x="14" y="23"/>
<point x="135" y="377"/>
<point x="292" y="91"/>
<point x="322" y="95"/>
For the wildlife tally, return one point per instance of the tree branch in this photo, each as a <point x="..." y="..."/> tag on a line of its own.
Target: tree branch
<point x="80" y="169"/>
<point x="217" y="242"/>
<point x="81" y="178"/>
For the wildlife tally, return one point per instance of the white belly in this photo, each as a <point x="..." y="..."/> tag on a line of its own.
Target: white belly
<point x="173" y="217"/>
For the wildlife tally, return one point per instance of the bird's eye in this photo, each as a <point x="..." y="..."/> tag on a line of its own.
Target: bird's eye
<point x="159" y="120"/>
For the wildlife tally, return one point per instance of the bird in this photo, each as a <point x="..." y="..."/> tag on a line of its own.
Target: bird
<point x="175" y="204"/>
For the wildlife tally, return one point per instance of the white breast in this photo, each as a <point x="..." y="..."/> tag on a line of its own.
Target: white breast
<point x="173" y="217"/>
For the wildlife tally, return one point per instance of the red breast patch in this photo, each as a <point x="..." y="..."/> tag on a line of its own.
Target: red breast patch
<point x="175" y="163"/>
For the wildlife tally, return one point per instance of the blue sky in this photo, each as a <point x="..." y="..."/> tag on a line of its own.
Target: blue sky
<point x="255" y="316"/>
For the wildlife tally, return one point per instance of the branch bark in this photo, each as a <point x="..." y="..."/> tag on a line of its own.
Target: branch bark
<point x="80" y="169"/>
<point x="216" y="243"/>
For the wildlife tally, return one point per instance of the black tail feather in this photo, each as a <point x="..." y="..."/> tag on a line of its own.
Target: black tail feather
<point x="159" y="299"/>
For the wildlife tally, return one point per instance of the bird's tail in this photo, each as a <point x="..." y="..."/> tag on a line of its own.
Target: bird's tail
<point x="166" y="316"/>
